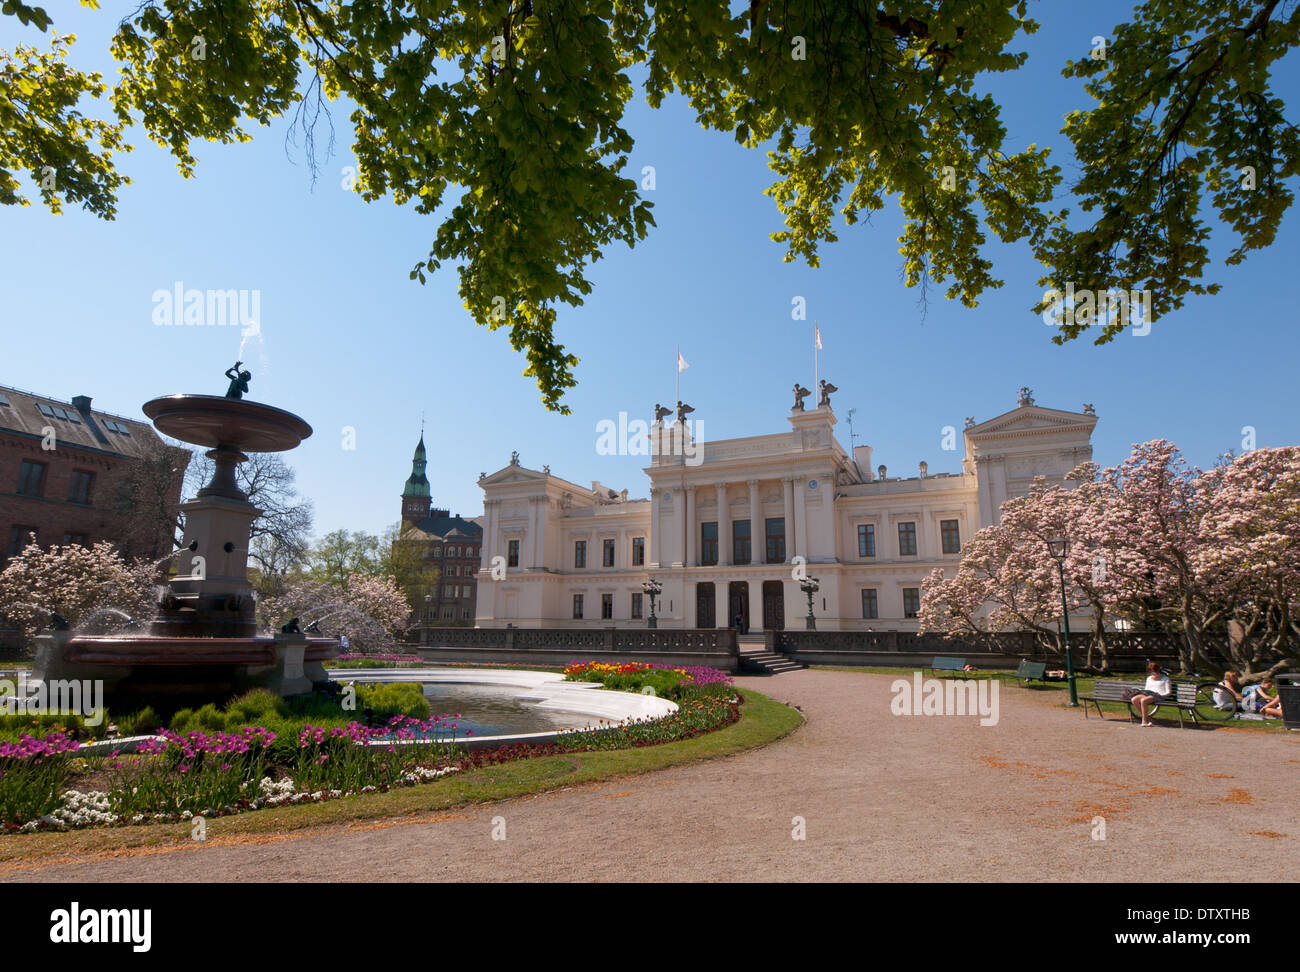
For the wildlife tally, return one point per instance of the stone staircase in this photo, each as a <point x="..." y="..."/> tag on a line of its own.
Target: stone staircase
<point x="755" y="659"/>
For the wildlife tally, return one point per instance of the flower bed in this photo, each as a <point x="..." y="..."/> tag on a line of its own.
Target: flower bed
<point x="215" y="772"/>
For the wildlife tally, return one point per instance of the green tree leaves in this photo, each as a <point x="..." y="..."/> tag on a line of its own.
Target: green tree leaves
<point x="503" y="120"/>
<point x="1183" y="108"/>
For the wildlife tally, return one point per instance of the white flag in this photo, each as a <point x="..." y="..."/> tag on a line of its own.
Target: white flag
<point x="818" y="332"/>
<point x="681" y="363"/>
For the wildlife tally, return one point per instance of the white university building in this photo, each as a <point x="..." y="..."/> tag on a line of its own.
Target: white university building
<point x="726" y="521"/>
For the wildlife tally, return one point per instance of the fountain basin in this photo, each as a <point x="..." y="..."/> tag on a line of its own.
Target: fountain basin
<point x="567" y="705"/>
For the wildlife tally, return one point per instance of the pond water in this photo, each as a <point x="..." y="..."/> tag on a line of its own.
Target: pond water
<point x="495" y="710"/>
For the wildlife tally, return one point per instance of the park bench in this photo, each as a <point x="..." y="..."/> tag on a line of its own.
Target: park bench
<point x="1031" y="671"/>
<point x="1106" y="690"/>
<point x="942" y="663"/>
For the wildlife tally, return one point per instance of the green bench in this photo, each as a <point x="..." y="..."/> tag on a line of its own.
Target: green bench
<point x="1035" y="671"/>
<point x="1107" y="690"/>
<point x="943" y="663"/>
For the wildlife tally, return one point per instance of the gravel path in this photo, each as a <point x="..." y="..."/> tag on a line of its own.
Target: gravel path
<point x="882" y="797"/>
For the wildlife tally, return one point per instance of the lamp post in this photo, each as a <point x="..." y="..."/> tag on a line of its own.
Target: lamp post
<point x="1059" y="548"/>
<point x="810" y="586"/>
<point x="654" y="589"/>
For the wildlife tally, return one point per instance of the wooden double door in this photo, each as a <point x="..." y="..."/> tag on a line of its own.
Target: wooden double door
<point x="706" y="605"/>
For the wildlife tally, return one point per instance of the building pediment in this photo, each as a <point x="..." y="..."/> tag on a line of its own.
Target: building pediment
<point x="513" y="474"/>
<point x="1032" y="420"/>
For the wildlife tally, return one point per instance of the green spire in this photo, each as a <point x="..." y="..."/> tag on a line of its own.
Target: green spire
<point x="417" y="484"/>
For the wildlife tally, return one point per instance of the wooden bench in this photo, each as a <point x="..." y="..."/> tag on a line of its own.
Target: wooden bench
<point x="1107" y="690"/>
<point x="1031" y="671"/>
<point x="942" y="663"/>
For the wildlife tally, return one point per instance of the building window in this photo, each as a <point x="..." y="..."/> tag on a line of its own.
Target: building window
<point x="607" y="606"/>
<point x="512" y="554"/>
<point x="19" y="537"/>
<point x="31" y="478"/>
<point x="79" y="490"/>
<point x="577" y="607"/>
<point x="951" y="536"/>
<point x="468" y="614"/>
<point x="866" y="540"/>
<point x="452" y="570"/>
<point x="607" y="553"/>
<point x="74" y="538"/>
<point x="579" y="554"/>
<point x="870" y="603"/>
<point x="437" y="550"/>
<point x="911" y="601"/>
<point x="447" y="590"/>
<point x="448" y="613"/>
<point x="638" y="553"/>
<point x="709" y="543"/>
<point x="740" y="542"/>
<point x="776" y="540"/>
<point x="636" y="604"/>
<point x="907" y="539"/>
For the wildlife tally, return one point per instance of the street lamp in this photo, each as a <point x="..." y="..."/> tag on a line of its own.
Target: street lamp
<point x="654" y="589"/>
<point x="810" y="586"/>
<point x="1059" y="548"/>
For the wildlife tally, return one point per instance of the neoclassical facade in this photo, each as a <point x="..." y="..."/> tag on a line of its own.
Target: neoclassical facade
<point x="731" y="524"/>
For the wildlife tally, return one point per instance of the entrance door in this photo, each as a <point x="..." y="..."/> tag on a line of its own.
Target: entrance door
<point x="705" y="600"/>
<point x="774" y="605"/>
<point x="738" y="604"/>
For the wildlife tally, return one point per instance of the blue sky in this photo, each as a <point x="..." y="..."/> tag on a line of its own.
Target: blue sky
<point x="349" y="341"/>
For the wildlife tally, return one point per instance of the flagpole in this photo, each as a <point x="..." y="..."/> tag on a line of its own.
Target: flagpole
<point x="816" y="363"/>
<point x="677" y="371"/>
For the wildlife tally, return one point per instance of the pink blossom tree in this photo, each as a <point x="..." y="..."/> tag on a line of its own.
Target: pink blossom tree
<point x="87" y="585"/>
<point x="1248" y="560"/>
<point x="370" y="610"/>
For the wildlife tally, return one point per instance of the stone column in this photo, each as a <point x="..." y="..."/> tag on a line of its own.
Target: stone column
<point x="757" y="535"/>
<point x="531" y="559"/>
<point x="755" y="607"/>
<point x="787" y="486"/>
<point x="539" y="546"/>
<point x="688" y="517"/>
<point x="653" y="541"/>
<point x="798" y="487"/>
<point x="726" y="543"/>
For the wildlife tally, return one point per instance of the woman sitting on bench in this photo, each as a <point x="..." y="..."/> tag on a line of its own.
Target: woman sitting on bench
<point x="1157" y="688"/>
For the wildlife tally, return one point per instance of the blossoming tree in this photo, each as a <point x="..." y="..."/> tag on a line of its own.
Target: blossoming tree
<point x="83" y="584"/>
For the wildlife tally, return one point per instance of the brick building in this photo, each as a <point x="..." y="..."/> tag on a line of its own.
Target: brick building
<point x="73" y="474"/>
<point x="448" y="545"/>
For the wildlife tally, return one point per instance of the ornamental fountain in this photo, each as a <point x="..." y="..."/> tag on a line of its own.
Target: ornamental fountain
<point x="203" y="644"/>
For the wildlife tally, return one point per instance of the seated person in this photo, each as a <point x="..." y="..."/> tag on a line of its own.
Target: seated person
<point x="1055" y="673"/>
<point x="1157" y="687"/>
<point x="1258" y="698"/>
<point x="1228" y="693"/>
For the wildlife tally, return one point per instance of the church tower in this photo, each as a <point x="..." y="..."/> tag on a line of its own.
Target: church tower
<point x="415" y="495"/>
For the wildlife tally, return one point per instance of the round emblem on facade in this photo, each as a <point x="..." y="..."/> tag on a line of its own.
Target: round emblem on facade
<point x="812" y="484"/>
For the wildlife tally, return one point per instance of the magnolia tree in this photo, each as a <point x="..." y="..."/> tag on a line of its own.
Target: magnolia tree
<point x="371" y="611"/>
<point x="1153" y="542"/>
<point x="93" y="588"/>
<point x="1248" y="558"/>
<point x="1008" y="578"/>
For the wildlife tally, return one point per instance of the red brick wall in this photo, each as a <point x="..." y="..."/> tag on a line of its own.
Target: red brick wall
<point x="52" y="515"/>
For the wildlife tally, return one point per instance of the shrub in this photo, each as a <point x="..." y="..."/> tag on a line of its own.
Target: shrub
<point x="393" y="699"/>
